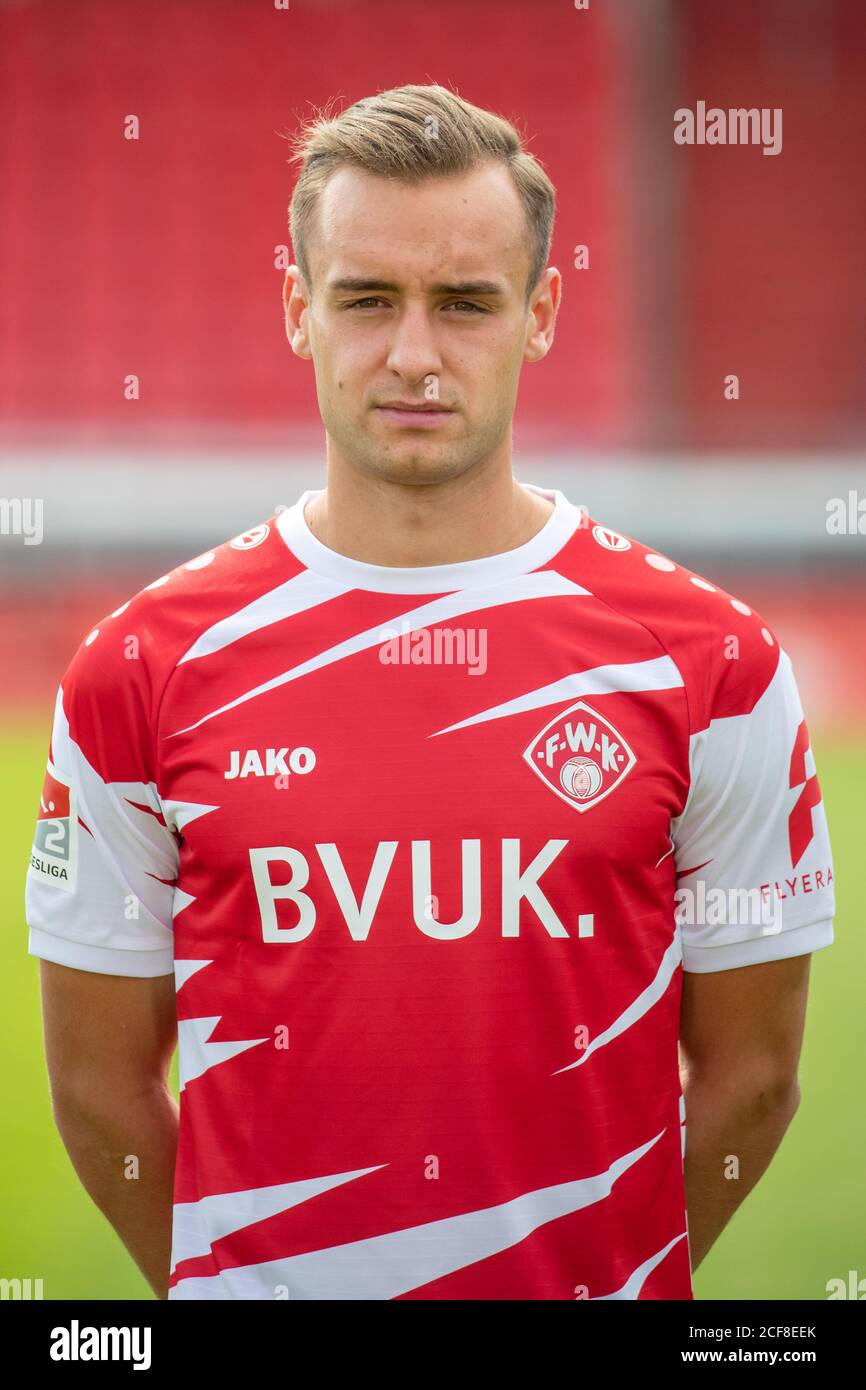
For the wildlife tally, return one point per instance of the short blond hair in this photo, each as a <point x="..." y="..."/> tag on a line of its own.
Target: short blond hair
<point x="409" y="134"/>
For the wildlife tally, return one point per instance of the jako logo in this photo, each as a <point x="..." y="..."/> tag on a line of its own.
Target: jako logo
<point x="76" y="1343"/>
<point x="301" y="760"/>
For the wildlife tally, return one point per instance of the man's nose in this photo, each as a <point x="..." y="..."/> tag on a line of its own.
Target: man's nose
<point x="414" y="352"/>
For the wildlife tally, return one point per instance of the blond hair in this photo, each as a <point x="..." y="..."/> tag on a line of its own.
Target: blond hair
<point x="409" y="134"/>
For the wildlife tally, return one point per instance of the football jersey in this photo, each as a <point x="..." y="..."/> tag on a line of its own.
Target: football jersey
<point x="427" y="851"/>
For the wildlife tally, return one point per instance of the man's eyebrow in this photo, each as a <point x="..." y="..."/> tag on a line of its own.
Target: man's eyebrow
<point x="472" y="287"/>
<point x="359" y="285"/>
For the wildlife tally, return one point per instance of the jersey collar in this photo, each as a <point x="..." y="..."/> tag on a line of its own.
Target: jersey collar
<point x="429" y="579"/>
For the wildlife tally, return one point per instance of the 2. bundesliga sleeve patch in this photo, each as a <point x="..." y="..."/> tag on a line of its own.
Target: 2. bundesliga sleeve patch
<point x="55" y="848"/>
<point x="580" y="756"/>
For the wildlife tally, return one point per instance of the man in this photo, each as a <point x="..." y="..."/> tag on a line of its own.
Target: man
<point x="440" y="814"/>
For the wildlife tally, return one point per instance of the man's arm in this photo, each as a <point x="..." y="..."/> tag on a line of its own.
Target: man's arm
<point x="109" y="1040"/>
<point x="741" y="1032"/>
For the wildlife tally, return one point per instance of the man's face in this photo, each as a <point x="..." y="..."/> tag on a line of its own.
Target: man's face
<point x="419" y="299"/>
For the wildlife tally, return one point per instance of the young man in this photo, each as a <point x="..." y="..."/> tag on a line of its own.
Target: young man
<point x="437" y="812"/>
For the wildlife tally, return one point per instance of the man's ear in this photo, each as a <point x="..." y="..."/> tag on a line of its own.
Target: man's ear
<point x="296" y="300"/>
<point x="543" y="308"/>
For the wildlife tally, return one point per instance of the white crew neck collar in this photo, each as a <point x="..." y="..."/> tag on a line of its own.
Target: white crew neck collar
<point x="429" y="579"/>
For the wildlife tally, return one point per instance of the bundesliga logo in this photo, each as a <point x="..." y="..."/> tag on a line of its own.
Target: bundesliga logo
<point x="54" y="855"/>
<point x="580" y="756"/>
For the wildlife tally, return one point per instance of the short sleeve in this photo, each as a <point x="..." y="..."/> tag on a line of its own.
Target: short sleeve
<point x="100" y="886"/>
<point x="754" y="867"/>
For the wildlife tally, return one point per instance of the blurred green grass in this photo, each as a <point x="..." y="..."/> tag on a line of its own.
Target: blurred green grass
<point x="803" y="1224"/>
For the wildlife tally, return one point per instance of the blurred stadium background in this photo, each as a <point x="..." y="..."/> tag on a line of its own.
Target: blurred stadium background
<point x="162" y="258"/>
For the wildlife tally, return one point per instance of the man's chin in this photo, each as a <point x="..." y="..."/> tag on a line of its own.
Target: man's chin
<point x="418" y="462"/>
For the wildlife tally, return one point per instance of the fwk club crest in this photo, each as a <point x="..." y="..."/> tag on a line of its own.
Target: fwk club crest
<point x="580" y="756"/>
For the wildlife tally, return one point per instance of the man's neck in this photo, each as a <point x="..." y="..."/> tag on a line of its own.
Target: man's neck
<point x="466" y="518"/>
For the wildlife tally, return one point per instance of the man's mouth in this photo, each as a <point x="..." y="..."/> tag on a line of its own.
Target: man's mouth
<point x="413" y="405"/>
<point x="415" y="415"/>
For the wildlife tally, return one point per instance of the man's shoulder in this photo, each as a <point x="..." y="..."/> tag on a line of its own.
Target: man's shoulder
<point x="725" y="650"/>
<point x="149" y="634"/>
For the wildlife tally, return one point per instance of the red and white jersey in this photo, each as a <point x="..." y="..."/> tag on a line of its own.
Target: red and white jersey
<point x="427" y="851"/>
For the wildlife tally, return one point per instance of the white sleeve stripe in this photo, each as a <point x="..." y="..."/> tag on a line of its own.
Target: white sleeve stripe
<point x="105" y="960"/>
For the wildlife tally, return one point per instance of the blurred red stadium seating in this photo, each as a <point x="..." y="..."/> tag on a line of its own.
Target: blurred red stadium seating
<point x="156" y="256"/>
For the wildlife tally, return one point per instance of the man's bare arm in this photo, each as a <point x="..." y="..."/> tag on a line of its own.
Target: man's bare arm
<point x="741" y="1032"/>
<point x="109" y="1040"/>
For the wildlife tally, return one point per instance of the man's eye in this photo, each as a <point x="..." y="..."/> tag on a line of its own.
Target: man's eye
<point x="373" y="301"/>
